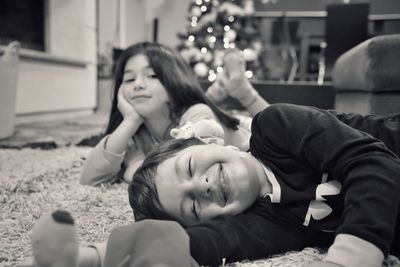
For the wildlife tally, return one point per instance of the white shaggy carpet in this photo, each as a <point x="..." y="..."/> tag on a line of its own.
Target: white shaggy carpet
<point x="37" y="181"/>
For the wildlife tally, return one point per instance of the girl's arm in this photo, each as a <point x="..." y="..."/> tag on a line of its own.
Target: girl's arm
<point x="118" y="140"/>
<point x="106" y="158"/>
<point x="208" y="130"/>
<point x="201" y="114"/>
<point x="200" y="121"/>
<point x="102" y="165"/>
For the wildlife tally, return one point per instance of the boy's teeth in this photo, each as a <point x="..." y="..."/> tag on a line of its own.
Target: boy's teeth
<point x="222" y="181"/>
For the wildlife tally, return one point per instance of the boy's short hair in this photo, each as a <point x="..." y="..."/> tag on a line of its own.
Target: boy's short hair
<point x="143" y="195"/>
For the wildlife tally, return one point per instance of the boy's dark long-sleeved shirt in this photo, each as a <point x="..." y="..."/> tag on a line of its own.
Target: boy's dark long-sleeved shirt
<point x="329" y="181"/>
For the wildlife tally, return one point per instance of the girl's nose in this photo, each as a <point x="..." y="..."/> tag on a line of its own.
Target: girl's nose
<point x="139" y="84"/>
<point x="203" y="187"/>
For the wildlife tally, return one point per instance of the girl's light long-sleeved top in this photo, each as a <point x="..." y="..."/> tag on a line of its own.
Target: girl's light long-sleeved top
<point x="103" y="166"/>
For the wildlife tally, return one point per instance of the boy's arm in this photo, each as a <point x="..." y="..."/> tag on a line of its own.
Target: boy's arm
<point x="366" y="169"/>
<point x="248" y="236"/>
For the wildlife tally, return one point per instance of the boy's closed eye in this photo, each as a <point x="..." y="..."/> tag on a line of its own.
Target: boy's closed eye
<point x="190" y="167"/>
<point x="195" y="205"/>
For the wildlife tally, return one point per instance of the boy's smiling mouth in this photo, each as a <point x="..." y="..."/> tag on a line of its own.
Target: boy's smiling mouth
<point x="223" y="184"/>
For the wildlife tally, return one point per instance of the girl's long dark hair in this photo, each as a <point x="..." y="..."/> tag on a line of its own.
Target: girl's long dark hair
<point x="183" y="88"/>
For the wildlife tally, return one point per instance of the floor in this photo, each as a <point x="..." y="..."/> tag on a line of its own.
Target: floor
<point x="56" y="133"/>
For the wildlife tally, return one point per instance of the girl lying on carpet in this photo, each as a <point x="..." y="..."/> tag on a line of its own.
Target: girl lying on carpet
<point x="155" y="91"/>
<point x="312" y="178"/>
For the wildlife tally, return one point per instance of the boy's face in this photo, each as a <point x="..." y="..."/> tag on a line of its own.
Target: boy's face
<point x="202" y="182"/>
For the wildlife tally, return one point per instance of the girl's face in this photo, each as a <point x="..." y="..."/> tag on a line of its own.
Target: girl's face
<point x="141" y="87"/>
<point x="202" y="182"/>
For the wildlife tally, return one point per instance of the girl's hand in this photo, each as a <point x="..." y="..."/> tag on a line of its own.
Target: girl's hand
<point x="127" y="110"/>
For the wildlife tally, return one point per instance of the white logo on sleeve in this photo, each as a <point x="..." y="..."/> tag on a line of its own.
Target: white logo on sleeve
<point x="317" y="208"/>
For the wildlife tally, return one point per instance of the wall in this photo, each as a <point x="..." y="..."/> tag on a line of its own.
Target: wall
<point x="121" y="23"/>
<point x="106" y="20"/>
<point x="63" y="79"/>
<point x="134" y="26"/>
<point x="173" y="20"/>
<point x="124" y="22"/>
<point x="48" y="86"/>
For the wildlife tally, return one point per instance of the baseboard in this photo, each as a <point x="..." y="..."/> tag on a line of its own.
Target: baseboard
<point x="55" y="115"/>
<point x="367" y="103"/>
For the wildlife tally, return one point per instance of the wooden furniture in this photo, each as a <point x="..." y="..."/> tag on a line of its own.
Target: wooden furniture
<point x="311" y="17"/>
<point x="300" y="93"/>
<point x="346" y="26"/>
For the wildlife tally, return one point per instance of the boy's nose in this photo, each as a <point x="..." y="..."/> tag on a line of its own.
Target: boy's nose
<point x="203" y="187"/>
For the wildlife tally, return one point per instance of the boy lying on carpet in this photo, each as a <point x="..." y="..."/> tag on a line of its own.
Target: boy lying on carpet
<point x="312" y="179"/>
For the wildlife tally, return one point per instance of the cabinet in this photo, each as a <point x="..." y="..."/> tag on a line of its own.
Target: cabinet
<point x="309" y="35"/>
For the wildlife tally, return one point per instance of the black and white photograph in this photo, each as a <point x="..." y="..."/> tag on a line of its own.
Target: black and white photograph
<point x="191" y="133"/>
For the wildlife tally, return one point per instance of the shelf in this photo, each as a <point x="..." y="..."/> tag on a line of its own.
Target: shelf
<point x="317" y="14"/>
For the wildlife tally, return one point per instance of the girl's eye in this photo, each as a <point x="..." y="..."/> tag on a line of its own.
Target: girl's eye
<point x="194" y="210"/>
<point x="152" y="76"/>
<point x="190" y="167"/>
<point x="129" y="80"/>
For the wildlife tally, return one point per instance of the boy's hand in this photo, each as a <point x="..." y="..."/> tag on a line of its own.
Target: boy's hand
<point x="323" y="264"/>
<point x="127" y="110"/>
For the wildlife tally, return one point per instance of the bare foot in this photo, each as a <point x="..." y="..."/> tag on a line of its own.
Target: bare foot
<point x="216" y="92"/>
<point x="54" y="240"/>
<point x="233" y="79"/>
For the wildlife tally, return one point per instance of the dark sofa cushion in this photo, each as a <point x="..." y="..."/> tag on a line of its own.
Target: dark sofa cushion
<point x="372" y="66"/>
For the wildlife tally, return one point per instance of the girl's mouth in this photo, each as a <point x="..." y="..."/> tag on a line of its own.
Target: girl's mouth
<point x="138" y="97"/>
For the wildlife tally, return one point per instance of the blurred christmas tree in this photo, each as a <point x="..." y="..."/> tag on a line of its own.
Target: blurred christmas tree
<point x="215" y="25"/>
